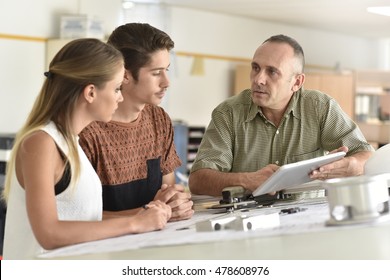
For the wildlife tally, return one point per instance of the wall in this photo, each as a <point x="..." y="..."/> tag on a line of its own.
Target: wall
<point x="238" y="36"/>
<point x="41" y="18"/>
<point x="22" y="62"/>
<point x="21" y="75"/>
<point x="384" y="54"/>
<point x="190" y="98"/>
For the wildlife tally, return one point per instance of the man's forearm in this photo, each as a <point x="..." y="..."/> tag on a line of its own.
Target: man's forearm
<point x="212" y="182"/>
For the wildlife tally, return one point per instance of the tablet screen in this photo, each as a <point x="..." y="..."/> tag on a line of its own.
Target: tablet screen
<point x="293" y="174"/>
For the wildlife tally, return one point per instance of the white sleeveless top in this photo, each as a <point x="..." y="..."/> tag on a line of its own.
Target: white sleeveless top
<point x="83" y="202"/>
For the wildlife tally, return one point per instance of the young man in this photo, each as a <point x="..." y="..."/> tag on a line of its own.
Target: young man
<point x="134" y="154"/>
<point x="274" y="123"/>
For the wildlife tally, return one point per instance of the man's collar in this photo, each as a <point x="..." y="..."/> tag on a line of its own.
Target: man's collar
<point x="291" y="108"/>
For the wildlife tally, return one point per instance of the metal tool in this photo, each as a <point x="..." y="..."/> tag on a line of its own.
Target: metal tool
<point x="234" y="198"/>
<point x="360" y="199"/>
<point x="240" y="222"/>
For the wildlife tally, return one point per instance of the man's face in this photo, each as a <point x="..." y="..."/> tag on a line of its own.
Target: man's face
<point x="152" y="81"/>
<point x="274" y="75"/>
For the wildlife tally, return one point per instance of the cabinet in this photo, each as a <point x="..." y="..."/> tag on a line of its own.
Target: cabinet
<point x="195" y="135"/>
<point x="241" y="78"/>
<point x="341" y="86"/>
<point x="373" y="105"/>
<point x="372" y="96"/>
<point x="187" y="140"/>
<point x="181" y="143"/>
<point x="6" y="144"/>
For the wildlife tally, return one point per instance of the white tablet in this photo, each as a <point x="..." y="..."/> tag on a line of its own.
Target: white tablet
<point x="293" y="174"/>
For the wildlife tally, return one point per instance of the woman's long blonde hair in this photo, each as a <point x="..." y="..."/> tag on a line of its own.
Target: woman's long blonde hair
<point x="79" y="63"/>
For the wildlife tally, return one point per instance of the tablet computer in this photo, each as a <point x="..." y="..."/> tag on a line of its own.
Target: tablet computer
<point x="293" y="174"/>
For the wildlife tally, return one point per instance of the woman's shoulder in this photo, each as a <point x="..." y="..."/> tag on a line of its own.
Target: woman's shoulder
<point x="38" y="141"/>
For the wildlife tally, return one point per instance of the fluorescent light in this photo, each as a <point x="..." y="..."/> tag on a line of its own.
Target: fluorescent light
<point x="126" y="4"/>
<point x="384" y="11"/>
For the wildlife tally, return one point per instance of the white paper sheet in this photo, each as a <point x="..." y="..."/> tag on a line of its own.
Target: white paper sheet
<point x="312" y="218"/>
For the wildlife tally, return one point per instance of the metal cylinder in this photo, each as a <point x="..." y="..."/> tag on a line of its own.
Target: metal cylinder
<point x="358" y="199"/>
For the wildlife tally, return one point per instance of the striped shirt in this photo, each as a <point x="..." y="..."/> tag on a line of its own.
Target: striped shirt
<point x="239" y="137"/>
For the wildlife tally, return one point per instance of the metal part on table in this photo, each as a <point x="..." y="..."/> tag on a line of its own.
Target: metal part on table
<point x="241" y="223"/>
<point x="233" y="194"/>
<point x="235" y="205"/>
<point x="360" y="199"/>
<point x="236" y="197"/>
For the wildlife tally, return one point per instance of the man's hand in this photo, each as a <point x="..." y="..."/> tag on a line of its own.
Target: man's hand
<point x="352" y="165"/>
<point x="260" y="176"/>
<point x="179" y="201"/>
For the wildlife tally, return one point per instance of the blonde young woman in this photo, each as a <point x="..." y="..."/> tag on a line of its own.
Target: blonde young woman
<point x="53" y="195"/>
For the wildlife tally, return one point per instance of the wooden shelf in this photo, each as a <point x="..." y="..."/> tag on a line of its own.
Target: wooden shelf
<point x="378" y="132"/>
<point x="374" y="86"/>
